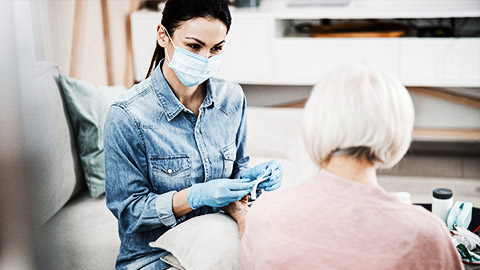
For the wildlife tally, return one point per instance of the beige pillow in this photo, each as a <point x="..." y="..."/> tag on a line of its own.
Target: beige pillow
<point x="207" y="242"/>
<point x="173" y="262"/>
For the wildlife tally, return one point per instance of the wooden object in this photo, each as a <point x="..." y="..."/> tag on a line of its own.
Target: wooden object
<point x="450" y="97"/>
<point x="129" y="73"/>
<point x="294" y="104"/>
<point x="107" y="41"/>
<point x="77" y="39"/>
<point x="358" y="30"/>
<point x="423" y="134"/>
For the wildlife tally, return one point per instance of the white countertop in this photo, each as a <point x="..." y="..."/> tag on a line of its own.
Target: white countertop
<point x="421" y="188"/>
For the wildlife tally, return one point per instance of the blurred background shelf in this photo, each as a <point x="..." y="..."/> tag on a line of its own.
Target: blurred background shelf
<point x="447" y="135"/>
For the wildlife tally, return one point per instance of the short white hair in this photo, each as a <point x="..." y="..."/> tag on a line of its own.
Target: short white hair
<point x="357" y="107"/>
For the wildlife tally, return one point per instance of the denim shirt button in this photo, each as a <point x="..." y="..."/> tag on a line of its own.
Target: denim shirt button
<point x="206" y="159"/>
<point x="169" y="171"/>
<point x="197" y="131"/>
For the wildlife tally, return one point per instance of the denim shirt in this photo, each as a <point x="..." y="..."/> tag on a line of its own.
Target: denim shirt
<point x="155" y="146"/>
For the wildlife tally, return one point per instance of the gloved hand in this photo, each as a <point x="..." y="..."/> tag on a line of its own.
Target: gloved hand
<point x="218" y="193"/>
<point x="274" y="180"/>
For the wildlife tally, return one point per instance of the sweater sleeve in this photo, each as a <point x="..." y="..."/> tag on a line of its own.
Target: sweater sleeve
<point x="433" y="248"/>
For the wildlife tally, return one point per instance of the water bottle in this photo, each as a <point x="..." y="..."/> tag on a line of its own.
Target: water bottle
<point x="442" y="201"/>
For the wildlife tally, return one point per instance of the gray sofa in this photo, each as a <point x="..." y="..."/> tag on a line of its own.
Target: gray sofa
<point x="78" y="231"/>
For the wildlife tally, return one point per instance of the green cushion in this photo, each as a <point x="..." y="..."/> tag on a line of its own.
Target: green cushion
<point x="87" y="106"/>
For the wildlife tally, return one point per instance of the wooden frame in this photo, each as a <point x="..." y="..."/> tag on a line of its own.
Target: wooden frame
<point x="107" y="41"/>
<point x="445" y="95"/>
<point x="129" y="73"/>
<point x="77" y="38"/>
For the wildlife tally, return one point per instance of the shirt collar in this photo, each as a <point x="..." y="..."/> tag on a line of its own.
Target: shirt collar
<point x="209" y="97"/>
<point x="167" y="98"/>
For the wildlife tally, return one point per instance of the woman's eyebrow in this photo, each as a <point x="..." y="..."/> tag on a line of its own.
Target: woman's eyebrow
<point x="197" y="40"/>
<point x="203" y="43"/>
<point x="221" y="42"/>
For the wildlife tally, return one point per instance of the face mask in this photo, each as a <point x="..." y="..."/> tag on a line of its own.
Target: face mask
<point x="191" y="68"/>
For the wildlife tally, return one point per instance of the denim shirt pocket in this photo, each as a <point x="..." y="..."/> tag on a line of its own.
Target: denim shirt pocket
<point x="170" y="172"/>
<point x="229" y="154"/>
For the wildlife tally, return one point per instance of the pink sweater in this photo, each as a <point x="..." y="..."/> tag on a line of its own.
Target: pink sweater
<point x="329" y="222"/>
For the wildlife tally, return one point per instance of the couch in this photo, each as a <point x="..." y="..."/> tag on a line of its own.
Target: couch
<point x="79" y="232"/>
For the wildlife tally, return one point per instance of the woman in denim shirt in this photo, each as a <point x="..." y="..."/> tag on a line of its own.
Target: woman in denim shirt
<point x="175" y="143"/>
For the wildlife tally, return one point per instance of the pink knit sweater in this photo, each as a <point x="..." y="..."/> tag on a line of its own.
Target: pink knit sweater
<point x="329" y="222"/>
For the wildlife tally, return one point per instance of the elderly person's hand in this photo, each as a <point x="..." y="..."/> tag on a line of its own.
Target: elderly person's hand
<point x="274" y="172"/>
<point x="238" y="210"/>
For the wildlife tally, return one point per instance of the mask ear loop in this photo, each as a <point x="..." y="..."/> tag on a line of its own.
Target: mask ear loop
<point x="168" y="35"/>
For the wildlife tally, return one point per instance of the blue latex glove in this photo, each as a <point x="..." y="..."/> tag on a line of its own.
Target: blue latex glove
<point x="218" y="193"/>
<point x="274" y="171"/>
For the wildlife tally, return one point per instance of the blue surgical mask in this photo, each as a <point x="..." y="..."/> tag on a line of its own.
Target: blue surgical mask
<point x="191" y="68"/>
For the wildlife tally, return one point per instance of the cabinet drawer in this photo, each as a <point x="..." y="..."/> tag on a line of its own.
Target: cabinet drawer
<point x="306" y="59"/>
<point x="440" y="62"/>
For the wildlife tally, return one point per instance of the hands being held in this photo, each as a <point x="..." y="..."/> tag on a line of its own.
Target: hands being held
<point x="231" y="194"/>
<point x="221" y="192"/>
<point x="218" y="193"/>
<point x="273" y="170"/>
<point x="237" y="209"/>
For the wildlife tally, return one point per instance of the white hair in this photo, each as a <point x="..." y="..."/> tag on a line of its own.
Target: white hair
<point x="358" y="108"/>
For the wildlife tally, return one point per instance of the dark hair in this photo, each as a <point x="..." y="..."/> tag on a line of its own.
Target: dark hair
<point x="178" y="11"/>
<point x="358" y="152"/>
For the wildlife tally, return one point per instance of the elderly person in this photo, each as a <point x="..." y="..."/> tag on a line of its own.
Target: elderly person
<point x="357" y="120"/>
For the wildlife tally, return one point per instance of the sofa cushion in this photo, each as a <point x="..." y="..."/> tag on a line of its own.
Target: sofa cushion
<point x="88" y="106"/>
<point x="49" y="137"/>
<point x="82" y="235"/>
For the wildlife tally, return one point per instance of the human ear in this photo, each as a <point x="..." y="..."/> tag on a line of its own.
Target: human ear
<point x="162" y="38"/>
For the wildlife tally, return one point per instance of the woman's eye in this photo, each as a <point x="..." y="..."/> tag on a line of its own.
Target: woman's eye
<point x="194" y="46"/>
<point x="217" y="49"/>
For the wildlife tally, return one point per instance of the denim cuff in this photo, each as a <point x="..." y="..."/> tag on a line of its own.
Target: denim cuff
<point x="164" y="209"/>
